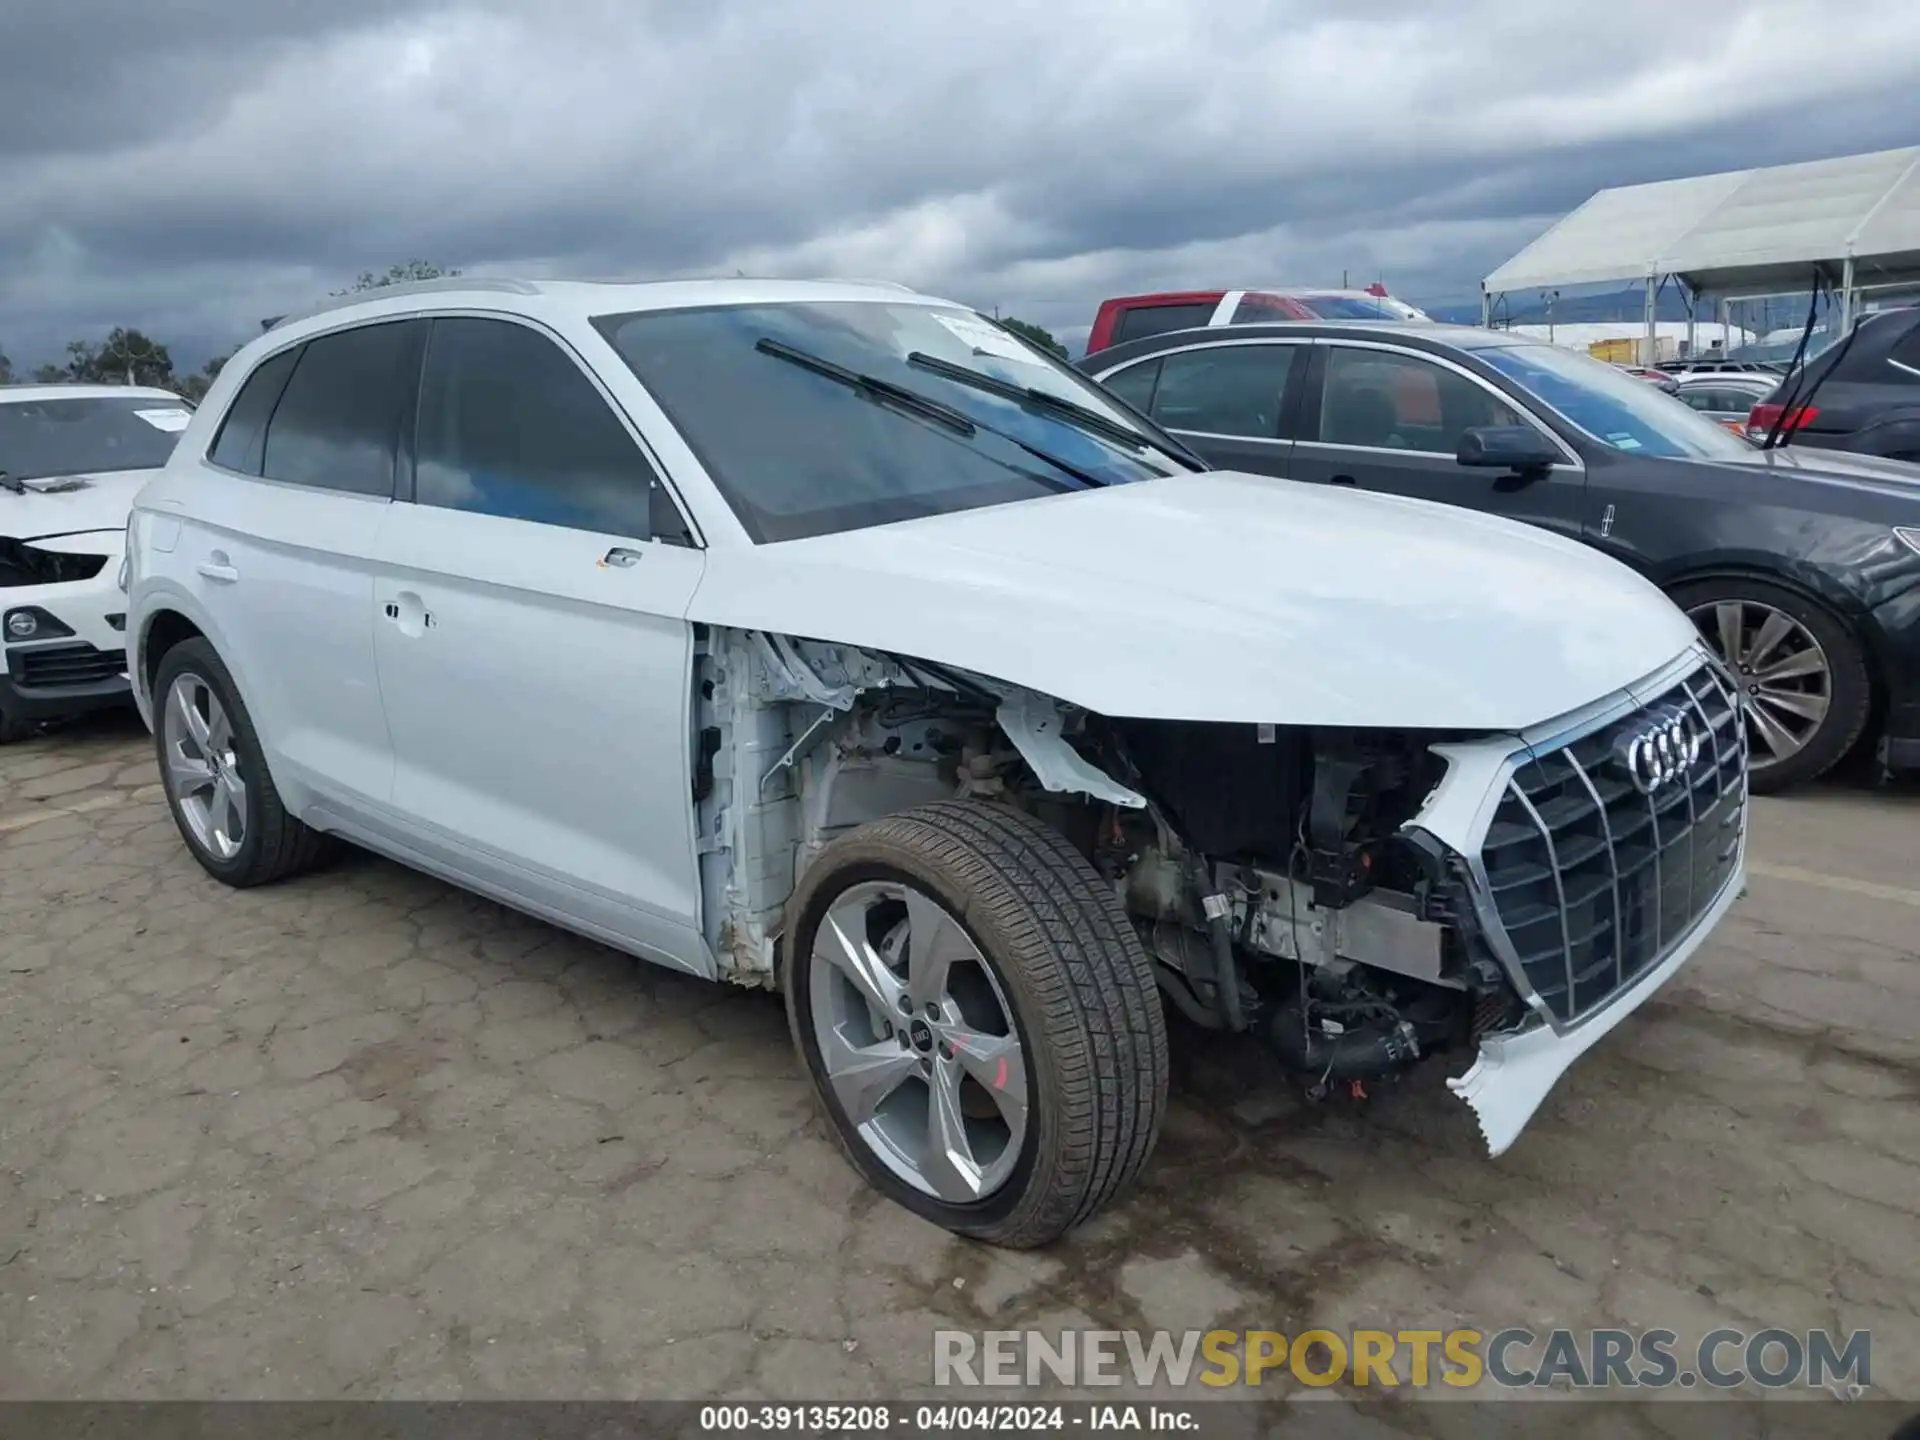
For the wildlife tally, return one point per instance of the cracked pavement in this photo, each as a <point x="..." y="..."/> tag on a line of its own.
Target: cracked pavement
<point x="364" y="1135"/>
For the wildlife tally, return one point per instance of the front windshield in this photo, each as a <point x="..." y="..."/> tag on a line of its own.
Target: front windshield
<point x="76" y="435"/>
<point x="1612" y="407"/>
<point x="797" y="453"/>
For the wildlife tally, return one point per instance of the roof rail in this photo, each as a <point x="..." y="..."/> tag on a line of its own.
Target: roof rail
<point x="410" y="287"/>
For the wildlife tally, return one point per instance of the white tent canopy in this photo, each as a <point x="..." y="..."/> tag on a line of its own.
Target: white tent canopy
<point x="1750" y="232"/>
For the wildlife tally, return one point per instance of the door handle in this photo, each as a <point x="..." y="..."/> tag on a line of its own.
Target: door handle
<point x="409" y="613"/>
<point x="621" y="557"/>
<point x="1342" y="480"/>
<point x="214" y="570"/>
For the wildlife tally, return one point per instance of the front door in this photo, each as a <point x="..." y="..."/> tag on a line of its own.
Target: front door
<point x="1386" y="419"/>
<point x="533" y="650"/>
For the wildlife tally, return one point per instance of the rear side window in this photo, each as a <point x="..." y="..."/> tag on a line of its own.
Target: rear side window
<point x="509" y="425"/>
<point x="1225" y="390"/>
<point x="337" y="422"/>
<point x="243" y="433"/>
<point x="1140" y="320"/>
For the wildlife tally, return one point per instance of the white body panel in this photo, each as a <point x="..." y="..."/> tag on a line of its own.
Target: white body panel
<point x="1228" y="597"/>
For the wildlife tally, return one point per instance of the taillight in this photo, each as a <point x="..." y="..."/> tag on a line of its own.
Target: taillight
<point x="1762" y="418"/>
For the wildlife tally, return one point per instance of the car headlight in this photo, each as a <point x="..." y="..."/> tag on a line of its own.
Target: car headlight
<point x="1908" y="538"/>
<point x="126" y="573"/>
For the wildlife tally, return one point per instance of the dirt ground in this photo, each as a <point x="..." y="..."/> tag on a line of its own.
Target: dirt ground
<point x="366" y="1136"/>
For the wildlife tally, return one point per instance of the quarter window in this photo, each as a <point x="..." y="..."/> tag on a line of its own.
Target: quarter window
<point x="1135" y="384"/>
<point x="1401" y="402"/>
<point x="1225" y="389"/>
<point x="335" y="426"/>
<point x="243" y="432"/>
<point x="511" y="426"/>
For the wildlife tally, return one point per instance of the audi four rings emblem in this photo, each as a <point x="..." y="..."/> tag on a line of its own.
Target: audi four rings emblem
<point x="1661" y="751"/>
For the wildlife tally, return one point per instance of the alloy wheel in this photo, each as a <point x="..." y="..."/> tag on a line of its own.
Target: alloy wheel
<point x="1785" y="680"/>
<point x="202" y="768"/>
<point x="918" y="1043"/>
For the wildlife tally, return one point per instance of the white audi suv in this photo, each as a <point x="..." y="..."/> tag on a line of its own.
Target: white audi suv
<point x="829" y="638"/>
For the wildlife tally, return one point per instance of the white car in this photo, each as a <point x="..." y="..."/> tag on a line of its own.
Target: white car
<point x="828" y="637"/>
<point x="71" y="459"/>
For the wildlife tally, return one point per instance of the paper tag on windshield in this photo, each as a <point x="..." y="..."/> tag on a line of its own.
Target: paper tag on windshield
<point x="173" y="418"/>
<point x="983" y="337"/>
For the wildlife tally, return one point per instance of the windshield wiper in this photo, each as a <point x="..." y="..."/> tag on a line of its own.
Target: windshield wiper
<point x="1071" y="411"/>
<point x="8" y="482"/>
<point x="886" y="392"/>
<point x="872" y="385"/>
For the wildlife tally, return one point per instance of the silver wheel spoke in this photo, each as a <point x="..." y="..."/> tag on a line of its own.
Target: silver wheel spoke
<point x="192" y="725"/>
<point x="1793" y="667"/>
<point x="934" y="942"/>
<point x="1731" y="623"/>
<point x="949" y="1164"/>
<point x="864" y="1076"/>
<point x="1774" y="737"/>
<point x="842" y="943"/>
<point x="1774" y="629"/>
<point x="997" y="1063"/>
<point x="1807" y="707"/>
<point x="189" y="773"/>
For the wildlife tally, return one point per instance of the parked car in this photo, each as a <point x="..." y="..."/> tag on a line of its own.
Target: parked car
<point x="1862" y="393"/>
<point x="1132" y="317"/>
<point x="1802" y="568"/>
<point x="1659" y="379"/>
<point x="947" y="696"/>
<point x="1721" y="364"/>
<point x="1725" y="398"/>
<point x="71" y="458"/>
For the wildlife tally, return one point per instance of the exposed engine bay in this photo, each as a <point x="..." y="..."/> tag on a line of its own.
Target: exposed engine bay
<point x="1273" y="872"/>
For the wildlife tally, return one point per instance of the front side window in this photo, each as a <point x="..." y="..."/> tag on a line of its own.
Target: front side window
<point x="1613" y="408"/>
<point x="339" y="417"/>
<point x="509" y="425"/>
<point x="1135" y="384"/>
<point x="1390" y="401"/>
<point x="901" y="433"/>
<point x="80" y="435"/>
<point x="1225" y="390"/>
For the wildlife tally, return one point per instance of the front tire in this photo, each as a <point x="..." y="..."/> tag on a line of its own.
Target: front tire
<point x="1801" y="669"/>
<point x="215" y="775"/>
<point x="979" y="1020"/>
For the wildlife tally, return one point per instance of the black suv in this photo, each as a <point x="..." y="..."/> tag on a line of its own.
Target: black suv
<point x="1801" y="567"/>
<point x="1862" y="393"/>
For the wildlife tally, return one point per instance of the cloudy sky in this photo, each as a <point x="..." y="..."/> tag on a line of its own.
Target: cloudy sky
<point x="192" y="166"/>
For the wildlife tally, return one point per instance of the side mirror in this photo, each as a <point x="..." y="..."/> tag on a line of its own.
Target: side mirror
<point x="1517" y="448"/>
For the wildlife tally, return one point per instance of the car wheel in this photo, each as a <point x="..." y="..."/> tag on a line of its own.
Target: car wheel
<point x="215" y="775"/>
<point x="13" y="728"/>
<point x="979" y="1020"/>
<point x="1802" y="671"/>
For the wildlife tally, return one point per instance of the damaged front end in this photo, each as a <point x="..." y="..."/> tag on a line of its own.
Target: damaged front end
<point x="1359" y="900"/>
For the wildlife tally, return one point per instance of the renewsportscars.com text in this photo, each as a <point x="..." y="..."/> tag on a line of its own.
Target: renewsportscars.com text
<point x="1515" y="1358"/>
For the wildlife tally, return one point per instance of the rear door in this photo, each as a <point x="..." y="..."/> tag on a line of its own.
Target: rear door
<point x="279" y="524"/>
<point x="1382" y="418"/>
<point x="532" y="643"/>
<point x="1232" y="401"/>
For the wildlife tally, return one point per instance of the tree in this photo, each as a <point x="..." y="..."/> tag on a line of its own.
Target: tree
<point x="6" y="369"/>
<point x="196" y="385"/>
<point x="127" y="357"/>
<point x="1033" y="334"/>
<point x="400" y="275"/>
<point x="49" y="375"/>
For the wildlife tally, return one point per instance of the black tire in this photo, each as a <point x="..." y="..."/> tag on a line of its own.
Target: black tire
<point x="1075" y="976"/>
<point x="275" y="846"/>
<point x="13" y="728"/>
<point x="1852" y="684"/>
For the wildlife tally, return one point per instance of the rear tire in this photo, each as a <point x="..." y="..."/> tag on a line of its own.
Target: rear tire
<point x="1006" y="893"/>
<point x="1805" y="630"/>
<point x="215" y="775"/>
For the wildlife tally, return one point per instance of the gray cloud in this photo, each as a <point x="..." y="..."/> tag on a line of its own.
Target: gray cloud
<point x="192" y="167"/>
